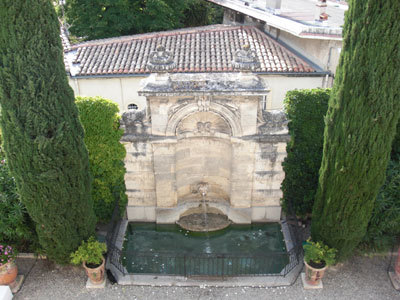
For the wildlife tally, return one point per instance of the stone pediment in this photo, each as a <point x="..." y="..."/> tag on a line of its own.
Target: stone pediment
<point x="199" y="84"/>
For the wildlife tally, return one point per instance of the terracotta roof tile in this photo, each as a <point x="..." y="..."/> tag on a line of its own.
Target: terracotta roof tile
<point x="201" y="49"/>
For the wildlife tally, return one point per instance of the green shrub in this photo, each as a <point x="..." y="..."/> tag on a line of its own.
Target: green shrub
<point x="90" y="252"/>
<point x="100" y="120"/>
<point x="384" y="225"/>
<point x="305" y="110"/>
<point x="318" y="253"/>
<point x="16" y="227"/>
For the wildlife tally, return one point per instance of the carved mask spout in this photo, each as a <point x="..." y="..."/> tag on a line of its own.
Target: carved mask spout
<point x="202" y="187"/>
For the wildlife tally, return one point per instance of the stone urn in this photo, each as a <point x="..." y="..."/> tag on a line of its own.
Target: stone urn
<point x="95" y="274"/>
<point x="8" y="273"/>
<point x="313" y="274"/>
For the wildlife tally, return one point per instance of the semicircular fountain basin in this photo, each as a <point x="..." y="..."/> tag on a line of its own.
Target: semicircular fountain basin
<point x="196" y="220"/>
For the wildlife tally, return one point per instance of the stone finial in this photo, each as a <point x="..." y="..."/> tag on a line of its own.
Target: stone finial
<point x="245" y="59"/>
<point x="135" y="123"/>
<point x="274" y="122"/>
<point x="160" y="60"/>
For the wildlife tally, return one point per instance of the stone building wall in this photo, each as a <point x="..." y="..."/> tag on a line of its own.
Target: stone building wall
<point x="123" y="90"/>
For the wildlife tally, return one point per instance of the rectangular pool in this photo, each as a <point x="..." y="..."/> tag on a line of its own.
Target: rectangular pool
<point x="257" y="249"/>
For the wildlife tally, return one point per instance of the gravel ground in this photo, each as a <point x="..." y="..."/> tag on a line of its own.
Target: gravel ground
<point x="359" y="278"/>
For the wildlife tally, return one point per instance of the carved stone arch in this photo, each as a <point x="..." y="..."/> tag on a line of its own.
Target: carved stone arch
<point x="178" y="116"/>
<point x="232" y="119"/>
<point x="217" y="108"/>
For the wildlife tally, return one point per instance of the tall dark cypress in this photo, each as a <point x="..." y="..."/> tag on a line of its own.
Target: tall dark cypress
<point x="43" y="137"/>
<point x="360" y="124"/>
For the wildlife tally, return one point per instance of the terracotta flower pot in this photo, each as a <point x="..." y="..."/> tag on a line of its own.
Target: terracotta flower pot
<point x="8" y="273"/>
<point x="314" y="275"/>
<point x="96" y="275"/>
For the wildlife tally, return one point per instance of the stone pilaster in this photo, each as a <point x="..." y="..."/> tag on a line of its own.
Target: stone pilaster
<point x="139" y="180"/>
<point x="164" y="172"/>
<point x="242" y="173"/>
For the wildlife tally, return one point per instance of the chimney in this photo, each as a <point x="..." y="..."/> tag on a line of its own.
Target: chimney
<point x="320" y="11"/>
<point x="273" y="4"/>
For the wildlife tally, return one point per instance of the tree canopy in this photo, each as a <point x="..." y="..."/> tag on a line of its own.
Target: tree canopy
<point x="95" y="19"/>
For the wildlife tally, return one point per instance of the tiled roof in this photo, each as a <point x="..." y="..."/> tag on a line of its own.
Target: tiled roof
<point x="201" y="49"/>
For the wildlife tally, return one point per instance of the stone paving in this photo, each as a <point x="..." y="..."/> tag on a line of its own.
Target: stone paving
<point x="359" y="278"/>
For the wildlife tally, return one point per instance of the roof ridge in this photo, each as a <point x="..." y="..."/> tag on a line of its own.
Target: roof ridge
<point x="148" y="35"/>
<point x="65" y="38"/>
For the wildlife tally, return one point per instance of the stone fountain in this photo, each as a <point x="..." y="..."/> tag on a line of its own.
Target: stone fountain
<point x="205" y="147"/>
<point x="204" y="153"/>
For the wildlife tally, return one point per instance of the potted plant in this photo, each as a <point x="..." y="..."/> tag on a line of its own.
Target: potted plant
<point x="317" y="256"/>
<point x="90" y="255"/>
<point x="8" y="267"/>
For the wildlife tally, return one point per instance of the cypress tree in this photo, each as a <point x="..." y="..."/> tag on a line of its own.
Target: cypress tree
<point x="43" y="138"/>
<point x="360" y="124"/>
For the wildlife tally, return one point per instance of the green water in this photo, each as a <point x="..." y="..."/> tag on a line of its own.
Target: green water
<point x="237" y="250"/>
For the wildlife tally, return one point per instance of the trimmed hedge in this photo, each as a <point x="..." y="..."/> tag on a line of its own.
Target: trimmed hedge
<point x="305" y="110"/>
<point x="100" y="120"/>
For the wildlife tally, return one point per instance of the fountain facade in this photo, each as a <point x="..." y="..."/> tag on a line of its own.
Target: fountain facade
<point x="204" y="145"/>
